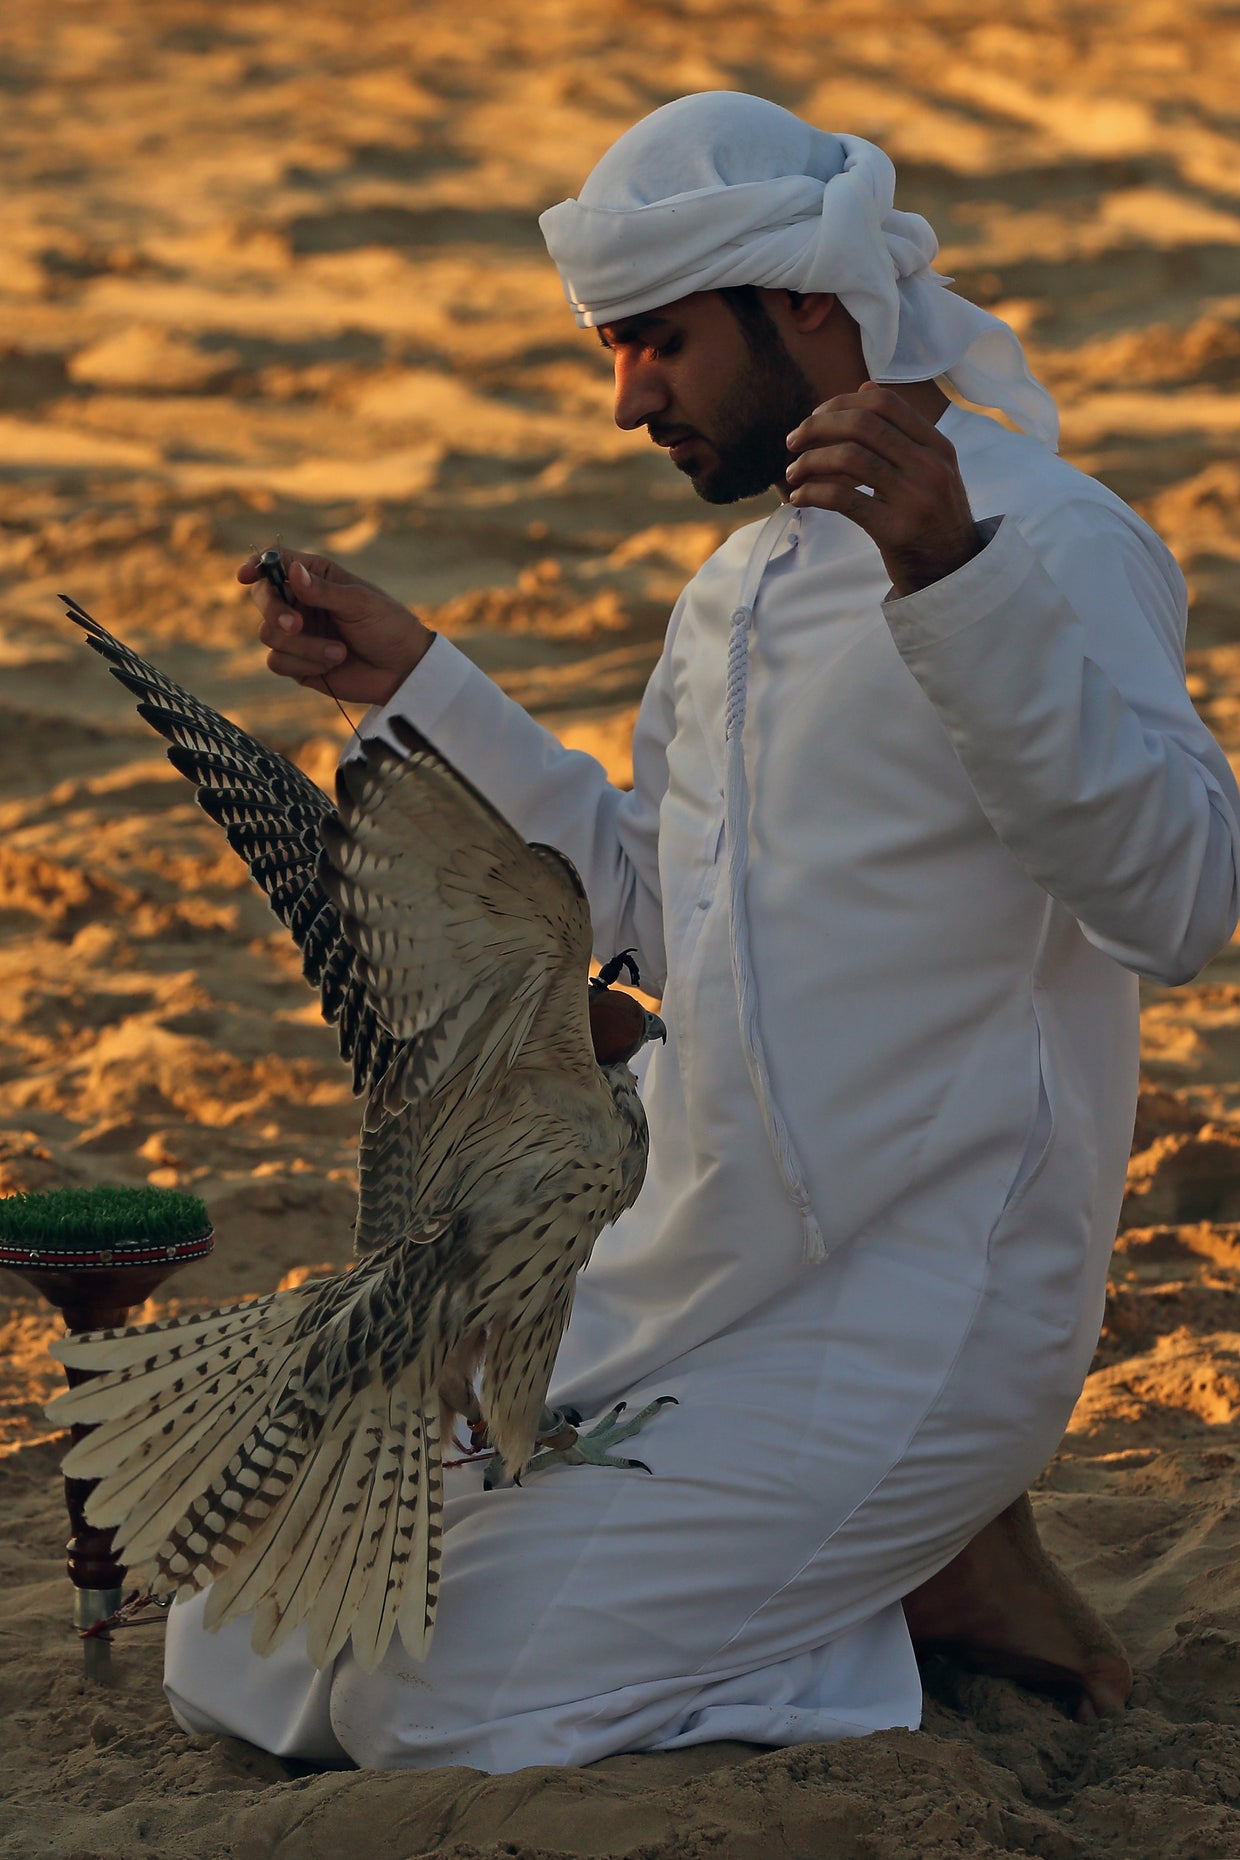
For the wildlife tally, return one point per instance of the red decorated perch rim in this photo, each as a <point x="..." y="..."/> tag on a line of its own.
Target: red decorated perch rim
<point x="117" y="1253"/>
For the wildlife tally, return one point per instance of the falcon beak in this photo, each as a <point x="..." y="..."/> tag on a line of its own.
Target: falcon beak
<point x="655" y="1030"/>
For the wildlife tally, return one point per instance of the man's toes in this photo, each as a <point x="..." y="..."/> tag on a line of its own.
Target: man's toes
<point x="1105" y="1690"/>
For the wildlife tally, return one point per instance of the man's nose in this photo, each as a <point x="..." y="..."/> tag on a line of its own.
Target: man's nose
<point x="641" y="392"/>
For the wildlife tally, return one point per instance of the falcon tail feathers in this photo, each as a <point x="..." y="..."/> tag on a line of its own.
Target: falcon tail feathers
<point x="224" y="1459"/>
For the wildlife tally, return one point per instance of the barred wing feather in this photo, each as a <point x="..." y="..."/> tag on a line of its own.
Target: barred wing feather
<point x="272" y="815"/>
<point x="477" y="947"/>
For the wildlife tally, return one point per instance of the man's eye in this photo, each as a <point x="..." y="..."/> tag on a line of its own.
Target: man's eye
<point x="662" y="349"/>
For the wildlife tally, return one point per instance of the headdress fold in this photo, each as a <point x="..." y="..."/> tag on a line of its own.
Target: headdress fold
<point x="720" y="189"/>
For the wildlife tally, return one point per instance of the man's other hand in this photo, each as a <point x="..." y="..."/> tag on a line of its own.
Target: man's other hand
<point x="914" y="503"/>
<point x="337" y="627"/>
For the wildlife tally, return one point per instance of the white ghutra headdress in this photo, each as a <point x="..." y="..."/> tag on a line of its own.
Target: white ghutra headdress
<point x="721" y="189"/>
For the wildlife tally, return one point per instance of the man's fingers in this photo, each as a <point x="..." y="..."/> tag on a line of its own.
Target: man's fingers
<point x="861" y="429"/>
<point x="263" y="595"/>
<point x="318" y="582"/>
<point x="308" y="657"/>
<point x="292" y="666"/>
<point x="874" y="414"/>
<point x="838" y="494"/>
<point x="858" y="448"/>
<point x="329" y="622"/>
<point x="313" y="580"/>
<point x="851" y="462"/>
<point x="317" y="653"/>
<point x="899" y="413"/>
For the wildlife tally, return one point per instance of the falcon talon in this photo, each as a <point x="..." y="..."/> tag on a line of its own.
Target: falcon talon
<point x="592" y="1447"/>
<point x="497" y="1480"/>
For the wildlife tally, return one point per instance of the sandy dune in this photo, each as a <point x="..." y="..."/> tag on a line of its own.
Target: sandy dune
<point x="273" y="271"/>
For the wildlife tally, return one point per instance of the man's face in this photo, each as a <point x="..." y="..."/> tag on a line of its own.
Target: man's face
<point x="721" y="397"/>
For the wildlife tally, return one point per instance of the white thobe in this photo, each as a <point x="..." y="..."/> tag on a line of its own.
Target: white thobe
<point x="976" y="814"/>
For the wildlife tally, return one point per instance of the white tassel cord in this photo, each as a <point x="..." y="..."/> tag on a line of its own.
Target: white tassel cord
<point x="736" y="818"/>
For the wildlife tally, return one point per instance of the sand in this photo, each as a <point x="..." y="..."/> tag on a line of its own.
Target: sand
<point x="272" y="271"/>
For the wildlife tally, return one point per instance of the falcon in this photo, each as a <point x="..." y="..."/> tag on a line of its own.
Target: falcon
<point x="287" y="1452"/>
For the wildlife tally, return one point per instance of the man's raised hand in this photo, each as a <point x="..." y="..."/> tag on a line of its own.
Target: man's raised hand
<point x="341" y="629"/>
<point x="915" y="507"/>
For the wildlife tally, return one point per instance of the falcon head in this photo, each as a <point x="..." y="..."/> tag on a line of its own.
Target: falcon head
<point x="619" y="1025"/>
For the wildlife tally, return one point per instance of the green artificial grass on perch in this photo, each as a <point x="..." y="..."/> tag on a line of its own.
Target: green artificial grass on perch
<point x="95" y="1254"/>
<point x="89" y="1219"/>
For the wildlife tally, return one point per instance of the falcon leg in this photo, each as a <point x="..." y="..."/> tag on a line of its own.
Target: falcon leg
<point x="457" y="1398"/>
<point x="557" y="1427"/>
<point x="593" y="1448"/>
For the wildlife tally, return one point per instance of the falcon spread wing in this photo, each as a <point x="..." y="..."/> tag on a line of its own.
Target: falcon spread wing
<point x="287" y="1451"/>
<point x="271" y="814"/>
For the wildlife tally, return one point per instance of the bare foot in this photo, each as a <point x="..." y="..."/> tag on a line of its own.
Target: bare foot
<point x="1002" y="1606"/>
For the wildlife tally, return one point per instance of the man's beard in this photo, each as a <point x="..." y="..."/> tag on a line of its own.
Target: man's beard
<point x="750" y="427"/>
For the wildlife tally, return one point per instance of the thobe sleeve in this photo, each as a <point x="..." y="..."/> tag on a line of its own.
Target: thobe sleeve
<point x="1055" y="661"/>
<point x="559" y="796"/>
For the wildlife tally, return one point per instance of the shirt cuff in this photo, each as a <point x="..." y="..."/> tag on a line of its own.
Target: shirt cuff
<point x="985" y="585"/>
<point x="434" y="683"/>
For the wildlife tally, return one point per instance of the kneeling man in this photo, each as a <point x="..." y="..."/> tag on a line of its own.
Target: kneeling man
<point x="918" y="795"/>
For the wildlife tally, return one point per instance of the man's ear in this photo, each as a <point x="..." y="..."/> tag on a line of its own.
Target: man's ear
<point x="811" y="310"/>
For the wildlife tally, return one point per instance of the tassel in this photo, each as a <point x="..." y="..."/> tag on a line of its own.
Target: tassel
<point x="736" y="819"/>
